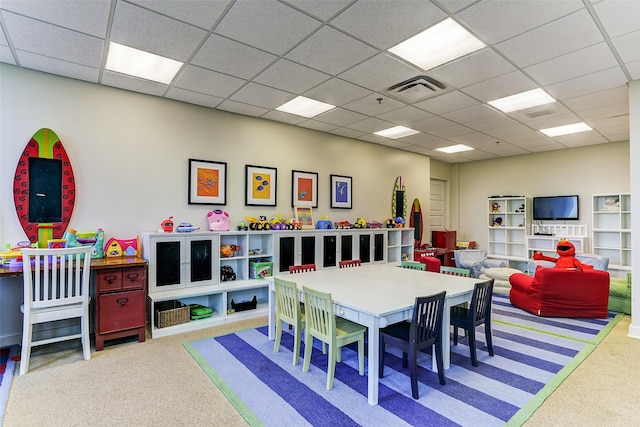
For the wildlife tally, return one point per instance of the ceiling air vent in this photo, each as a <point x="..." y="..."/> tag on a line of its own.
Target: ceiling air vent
<point x="417" y="89"/>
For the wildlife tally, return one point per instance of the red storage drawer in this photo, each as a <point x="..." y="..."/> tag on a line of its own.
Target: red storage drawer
<point x="121" y="311"/>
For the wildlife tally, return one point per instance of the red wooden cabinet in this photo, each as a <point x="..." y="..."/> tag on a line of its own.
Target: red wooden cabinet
<point x="121" y="289"/>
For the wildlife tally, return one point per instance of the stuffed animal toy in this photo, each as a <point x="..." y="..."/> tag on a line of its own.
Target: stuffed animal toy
<point x="566" y="250"/>
<point x="495" y="207"/>
<point x="611" y="205"/>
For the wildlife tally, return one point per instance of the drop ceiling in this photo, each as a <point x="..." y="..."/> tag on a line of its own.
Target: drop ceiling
<point x="251" y="56"/>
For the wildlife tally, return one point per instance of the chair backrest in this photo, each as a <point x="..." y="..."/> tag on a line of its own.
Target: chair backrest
<point x="480" y="307"/>
<point x="301" y="268"/>
<point x="455" y="271"/>
<point x="56" y="277"/>
<point x="426" y="323"/>
<point x="319" y="316"/>
<point x="413" y="265"/>
<point x="287" y="300"/>
<point x="350" y="263"/>
<point x="467" y="257"/>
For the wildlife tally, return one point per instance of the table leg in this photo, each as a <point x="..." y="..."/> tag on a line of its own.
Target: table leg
<point x="272" y="312"/>
<point x="374" y="360"/>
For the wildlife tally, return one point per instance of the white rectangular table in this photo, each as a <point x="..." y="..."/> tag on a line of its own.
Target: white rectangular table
<point x="377" y="295"/>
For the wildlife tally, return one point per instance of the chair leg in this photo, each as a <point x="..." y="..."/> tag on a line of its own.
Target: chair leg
<point x="489" y="339"/>
<point x="296" y="345"/>
<point x="276" y="345"/>
<point x="331" y="367"/>
<point x="26" y="347"/>
<point x="86" y="340"/>
<point x="440" y="362"/>
<point x="308" y="345"/>
<point x="472" y="345"/>
<point x="455" y="335"/>
<point x="413" y="372"/>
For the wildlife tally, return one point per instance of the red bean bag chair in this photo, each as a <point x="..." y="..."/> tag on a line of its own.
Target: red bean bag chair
<point x="559" y="292"/>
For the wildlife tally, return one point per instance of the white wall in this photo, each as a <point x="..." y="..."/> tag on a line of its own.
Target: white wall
<point x="130" y="157"/>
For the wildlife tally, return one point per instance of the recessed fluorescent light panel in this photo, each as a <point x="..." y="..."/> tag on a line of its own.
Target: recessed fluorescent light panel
<point x="441" y="43"/>
<point x="521" y="101"/>
<point x="305" y="107"/>
<point x="455" y="148"/>
<point x="138" y="63"/>
<point x="396" y="132"/>
<point x="566" y="129"/>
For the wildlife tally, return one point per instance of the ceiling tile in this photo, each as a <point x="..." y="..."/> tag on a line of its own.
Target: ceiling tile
<point x="289" y="76"/>
<point x="337" y="92"/>
<point x="208" y="82"/>
<point x="60" y="43"/>
<point x="470" y="114"/>
<point x="62" y="68"/>
<point x="565" y="35"/>
<point x="6" y="55"/>
<point x="549" y="122"/>
<point x="348" y="133"/>
<point x="618" y="17"/>
<point x="454" y="5"/>
<point x="627" y="46"/>
<point x="580" y="139"/>
<point x="508" y="131"/>
<point x="634" y="69"/>
<point x="604" y="112"/>
<point x="379" y="73"/>
<point x="241" y="108"/>
<point x="193" y="97"/>
<point x="261" y="96"/>
<point x="280" y="116"/>
<point x="404" y="115"/>
<point x="579" y="63"/>
<point x="490" y="123"/>
<point x="473" y="68"/>
<point x="133" y="84"/>
<point x="196" y="12"/>
<point x="320" y="9"/>
<point x="340" y="117"/>
<point x="267" y="25"/>
<point x="139" y="28"/>
<point x="370" y="125"/>
<point x="389" y="22"/>
<point x="422" y="139"/>
<point x="372" y="105"/>
<point x="495" y="21"/>
<point x="451" y="131"/>
<point x="233" y="58"/>
<point x="316" y="125"/>
<point x="591" y="83"/>
<point x="613" y="96"/>
<point x="430" y="124"/>
<point x="331" y="51"/>
<point x="501" y="86"/>
<point x="89" y="17"/>
<point x="450" y="101"/>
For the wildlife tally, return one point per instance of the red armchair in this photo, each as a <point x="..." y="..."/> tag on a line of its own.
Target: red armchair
<point x="558" y="292"/>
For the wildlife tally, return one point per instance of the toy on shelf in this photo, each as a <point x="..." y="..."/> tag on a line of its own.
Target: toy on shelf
<point x="242" y="226"/>
<point x="294" y="224"/>
<point x="56" y="243"/>
<point x="399" y="222"/>
<point x="167" y="225"/>
<point x="324" y="223"/>
<point x="342" y="225"/>
<point x="71" y="237"/>
<point x="259" y="224"/>
<point x="520" y="209"/>
<point x="122" y="247"/>
<point x="611" y="205"/>
<point x="227" y="273"/>
<point x="186" y="227"/>
<point x="360" y="223"/>
<point x="497" y="222"/>
<point x="218" y="220"/>
<point x="279" y="222"/>
<point x="97" y="250"/>
<point x="228" y="250"/>
<point x="495" y="207"/>
<point x="374" y="224"/>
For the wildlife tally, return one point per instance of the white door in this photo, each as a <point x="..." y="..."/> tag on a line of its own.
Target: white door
<point x="438" y="205"/>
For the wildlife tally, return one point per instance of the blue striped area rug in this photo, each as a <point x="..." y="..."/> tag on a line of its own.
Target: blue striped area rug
<point x="532" y="357"/>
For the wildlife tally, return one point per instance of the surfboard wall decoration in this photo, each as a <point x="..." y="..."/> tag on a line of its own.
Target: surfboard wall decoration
<point x="44" y="188"/>
<point x="415" y="222"/>
<point x="399" y="200"/>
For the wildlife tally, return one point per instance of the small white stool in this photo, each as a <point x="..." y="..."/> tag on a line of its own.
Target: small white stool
<point x="501" y="276"/>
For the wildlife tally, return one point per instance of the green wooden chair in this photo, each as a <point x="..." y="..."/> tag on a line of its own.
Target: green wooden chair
<point x="288" y="310"/>
<point x="455" y="271"/>
<point x="414" y="265"/>
<point x="334" y="331"/>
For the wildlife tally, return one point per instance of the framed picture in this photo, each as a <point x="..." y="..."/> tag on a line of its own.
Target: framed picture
<point x="304" y="189"/>
<point x="304" y="214"/>
<point x="341" y="191"/>
<point x="260" y="186"/>
<point x="207" y="182"/>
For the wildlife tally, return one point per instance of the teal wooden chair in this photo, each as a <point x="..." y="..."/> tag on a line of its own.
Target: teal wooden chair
<point x="336" y="332"/>
<point x="288" y="310"/>
<point x="455" y="271"/>
<point x="414" y="265"/>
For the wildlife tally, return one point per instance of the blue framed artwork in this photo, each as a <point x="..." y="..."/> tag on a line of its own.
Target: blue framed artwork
<point x="341" y="191"/>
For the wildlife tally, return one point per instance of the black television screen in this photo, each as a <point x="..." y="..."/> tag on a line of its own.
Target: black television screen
<point x="555" y="208"/>
<point x="45" y="190"/>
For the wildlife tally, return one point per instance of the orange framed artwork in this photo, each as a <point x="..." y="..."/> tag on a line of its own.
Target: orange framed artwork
<point x="207" y="182"/>
<point x="304" y="189"/>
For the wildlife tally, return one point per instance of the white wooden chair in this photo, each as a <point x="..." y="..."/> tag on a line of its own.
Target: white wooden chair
<point x="56" y="287"/>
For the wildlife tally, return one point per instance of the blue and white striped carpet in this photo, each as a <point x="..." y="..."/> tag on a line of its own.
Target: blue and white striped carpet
<point x="532" y="356"/>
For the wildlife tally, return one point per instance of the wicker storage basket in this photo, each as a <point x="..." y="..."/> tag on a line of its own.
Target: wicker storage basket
<point x="172" y="312"/>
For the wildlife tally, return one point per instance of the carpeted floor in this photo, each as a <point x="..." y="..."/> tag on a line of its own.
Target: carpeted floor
<point x="533" y="356"/>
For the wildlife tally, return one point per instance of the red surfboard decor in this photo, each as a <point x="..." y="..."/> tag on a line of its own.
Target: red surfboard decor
<point x="44" y="188"/>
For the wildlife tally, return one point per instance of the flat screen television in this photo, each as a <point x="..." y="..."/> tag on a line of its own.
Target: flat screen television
<point x="555" y="208"/>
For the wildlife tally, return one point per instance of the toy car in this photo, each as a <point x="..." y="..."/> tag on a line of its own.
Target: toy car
<point x="294" y="224"/>
<point x="260" y="223"/>
<point x="374" y="224"/>
<point x="361" y="223"/>
<point x="227" y="273"/>
<point x="342" y="225"/>
<point x="242" y="226"/>
<point x="278" y="222"/>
